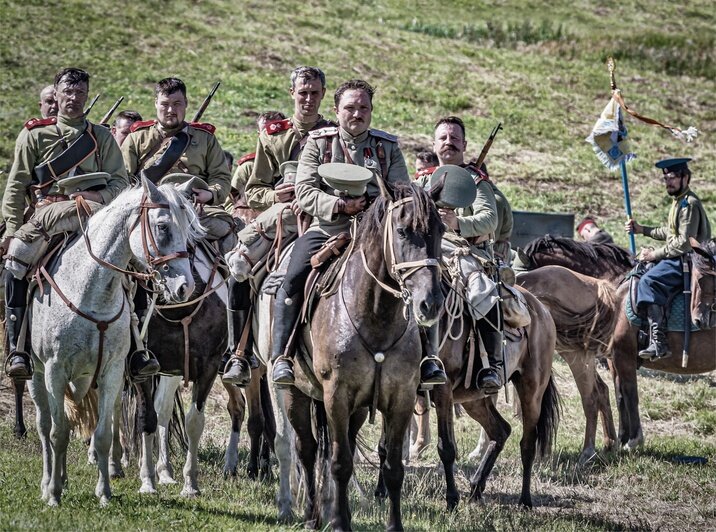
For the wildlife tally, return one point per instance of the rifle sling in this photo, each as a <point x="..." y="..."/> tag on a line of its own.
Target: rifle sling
<point x="177" y="144"/>
<point x="76" y="153"/>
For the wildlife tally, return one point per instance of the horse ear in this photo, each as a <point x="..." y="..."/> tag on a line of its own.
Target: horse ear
<point x="151" y="191"/>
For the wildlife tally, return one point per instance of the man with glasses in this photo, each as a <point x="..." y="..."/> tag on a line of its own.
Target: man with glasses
<point x="687" y="218"/>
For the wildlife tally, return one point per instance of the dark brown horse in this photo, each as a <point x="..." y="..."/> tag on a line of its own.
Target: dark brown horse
<point x="366" y="347"/>
<point x="529" y="366"/>
<point x="702" y="350"/>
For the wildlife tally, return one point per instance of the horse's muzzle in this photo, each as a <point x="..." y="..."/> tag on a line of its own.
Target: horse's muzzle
<point x="428" y="311"/>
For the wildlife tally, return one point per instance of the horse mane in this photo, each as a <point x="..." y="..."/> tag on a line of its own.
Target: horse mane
<point x="424" y="216"/>
<point x="180" y="209"/>
<point x="583" y="251"/>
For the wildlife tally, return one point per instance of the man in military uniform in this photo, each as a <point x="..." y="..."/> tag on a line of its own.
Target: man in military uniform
<point x="426" y="161"/>
<point x="122" y="125"/>
<point x="48" y="103"/>
<point x="351" y="142"/>
<point x="172" y="149"/>
<point x="502" y="247"/>
<point x="48" y="150"/>
<point x="476" y="224"/>
<point x="592" y="233"/>
<point x="687" y="218"/>
<point x="279" y="141"/>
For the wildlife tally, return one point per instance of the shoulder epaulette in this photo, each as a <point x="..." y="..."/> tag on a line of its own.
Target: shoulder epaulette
<point x="324" y="123"/>
<point x="37" y="122"/>
<point x="426" y="171"/>
<point x="141" y="125"/>
<point x="479" y="173"/>
<point x="324" y="132"/>
<point x="247" y="157"/>
<point x="209" y="128"/>
<point x="383" y="135"/>
<point x="276" y="126"/>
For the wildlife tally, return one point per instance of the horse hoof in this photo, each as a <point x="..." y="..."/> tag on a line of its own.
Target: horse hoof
<point x="190" y="493"/>
<point x="115" y="473"/>
<point x="103" y="501"/>
<point x="526" y="503"/>
<point x="452" y="503"/>
<point x="230" y="472"/>
<point x="166" y="480"/>
<point x="286" y="516"/>
<point x="53" y="502"/>
<point x="150" y="490"/>
<point x="586" y="457"/>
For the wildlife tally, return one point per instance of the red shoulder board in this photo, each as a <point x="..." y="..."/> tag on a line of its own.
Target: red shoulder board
<point x="480" y="173"/>
<point x="425" y="171"/>
<point x="276" y="126"/>
<point x="37" y="122"/>
<point x="203" y="126"/>
<point x="247" y="157"/>
<point x="141" y="125"/>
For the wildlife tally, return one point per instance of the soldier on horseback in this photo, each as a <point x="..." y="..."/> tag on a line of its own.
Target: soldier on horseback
<point x="352" y="143"/>
<point x="54" y="158"/>
<point x="474" y="225"/>
<point x="687" y="218"/>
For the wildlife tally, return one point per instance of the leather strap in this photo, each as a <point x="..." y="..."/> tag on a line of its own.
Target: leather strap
<point x="74" y="155"/>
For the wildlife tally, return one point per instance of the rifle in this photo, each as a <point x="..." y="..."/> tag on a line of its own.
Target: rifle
<point x="91" y="105"/>
<point x="487" y="146"/>
<point x="206" y="102"/>
<point x="108" y="114"/>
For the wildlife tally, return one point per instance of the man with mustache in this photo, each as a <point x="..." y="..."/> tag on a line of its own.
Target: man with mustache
<point x="477" y="225"/>
<point x="47" y="151"/>
<point x="266" y="191"/>
<point x="48" y="102"/>
<point x="687" y="218"/>
<point x="351" y="142"/>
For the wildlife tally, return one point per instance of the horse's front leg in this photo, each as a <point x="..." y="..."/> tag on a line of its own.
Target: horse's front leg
<point x="396" y="424"/>
<point x="283" y="446"/>
<point x="236" y="406"/>
<point x="20" y="430"/>
<point x="164" y="404"/>
<point x="56" y="382"/>
<point x="147" y="423"/>
<point x="38" y="393"/>
<point x="194" y="422"/>
<point x="625" y="388"/>
<point x="584" y="371"/>
<point x="446" y="442"/>
<point x="110" y="386"/>
<point x="255" y="423"/>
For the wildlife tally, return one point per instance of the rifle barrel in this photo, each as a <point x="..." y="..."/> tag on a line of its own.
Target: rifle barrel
<point x="91" y="105"/>
<point x="206" y="102"/>
<point x="108" y="114"/>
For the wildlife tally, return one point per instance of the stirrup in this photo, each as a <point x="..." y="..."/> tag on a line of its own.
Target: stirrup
<point x="484" y="373"/>
<point x="288" y="378"/>
<point x="437" y="379"/>
<point x="149" y="368"/>
<point x="236" y="371"/>
<point x="29" y="367"/>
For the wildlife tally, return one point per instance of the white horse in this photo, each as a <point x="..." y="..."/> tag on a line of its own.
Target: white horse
<point x="72" y="348"/>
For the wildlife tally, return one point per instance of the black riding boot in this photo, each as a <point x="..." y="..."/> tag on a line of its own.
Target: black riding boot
<point x="17" y="364"/>
<point x="236" y="369"/>
<point x="489" y="379"/>
<point x="285" y="316"/>
<point x="431" y="368"/>
<point x="142" y="362"/>
<point x="658" y="345"/>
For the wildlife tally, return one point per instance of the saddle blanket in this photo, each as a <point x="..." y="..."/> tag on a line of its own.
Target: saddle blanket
<point x="675" y="321"/>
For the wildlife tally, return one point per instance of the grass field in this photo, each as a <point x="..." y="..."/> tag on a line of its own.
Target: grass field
<point x="646" y="490"/>
<point x="537" y="67"/>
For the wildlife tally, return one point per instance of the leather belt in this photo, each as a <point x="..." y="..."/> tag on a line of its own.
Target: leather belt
<point x="53" y="198"/>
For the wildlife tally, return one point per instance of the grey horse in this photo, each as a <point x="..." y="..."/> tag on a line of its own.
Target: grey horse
<point x="148" y="227"/>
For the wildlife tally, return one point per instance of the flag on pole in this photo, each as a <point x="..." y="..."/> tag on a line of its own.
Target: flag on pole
<point x="609" y="136"/>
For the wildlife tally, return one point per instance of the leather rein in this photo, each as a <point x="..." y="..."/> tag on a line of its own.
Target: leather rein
<point x="83" y="211"/>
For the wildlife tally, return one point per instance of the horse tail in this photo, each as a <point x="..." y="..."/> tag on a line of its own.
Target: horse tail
<point x="269" y="434"/>
<point x="550" y="412"/>
<point x="83" y="416"/>
<point x="324" y="495"/>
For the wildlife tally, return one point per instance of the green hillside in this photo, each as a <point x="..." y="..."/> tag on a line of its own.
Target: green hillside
<point x="538" y="67"/>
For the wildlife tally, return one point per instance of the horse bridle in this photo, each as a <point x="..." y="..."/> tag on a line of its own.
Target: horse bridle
<point x="152" y="274"/>
<point x="398" y="271"/>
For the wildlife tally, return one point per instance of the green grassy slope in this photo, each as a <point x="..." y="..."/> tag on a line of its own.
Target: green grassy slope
<point x="538" y="67"/>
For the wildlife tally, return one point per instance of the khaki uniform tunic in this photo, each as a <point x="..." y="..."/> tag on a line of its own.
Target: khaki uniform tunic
<point x="315" y="197"/>
<point x="275" y="146"/>
<point x="40" y="144"/>
<point x="687" y="217"/>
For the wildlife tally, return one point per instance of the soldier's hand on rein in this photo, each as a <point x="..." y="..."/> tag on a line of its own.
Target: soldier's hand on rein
<point x="295" y="208"/>
<point x="202" y="196"/>
<point x="285" y="192"/>
<point x="351" y="206"/>
<point x="90" y="195"/>
<point x="449" y="218"/>
<point x="647" y="255"/>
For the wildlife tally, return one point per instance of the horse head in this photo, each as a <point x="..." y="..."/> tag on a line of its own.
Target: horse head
<point x="411" y="234"/>
<point x="703" y="284"/>
<point x="167" y="223"/>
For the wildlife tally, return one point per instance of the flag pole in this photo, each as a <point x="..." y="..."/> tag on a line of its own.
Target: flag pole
<point x="611" y="65"/>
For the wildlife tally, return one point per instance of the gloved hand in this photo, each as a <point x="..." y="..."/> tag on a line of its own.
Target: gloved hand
<point x="351" y="206"/>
